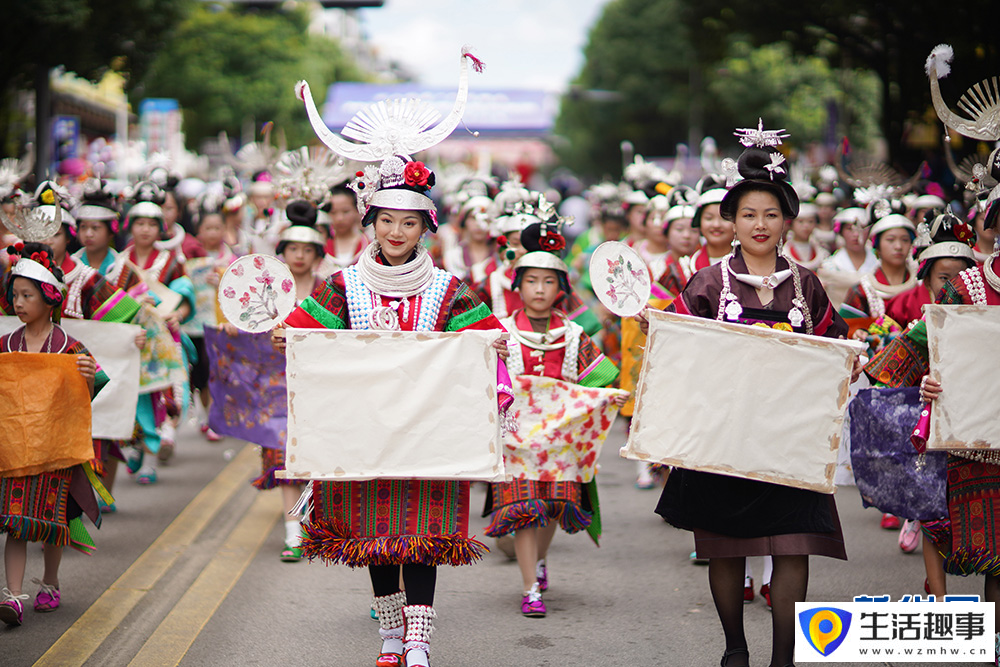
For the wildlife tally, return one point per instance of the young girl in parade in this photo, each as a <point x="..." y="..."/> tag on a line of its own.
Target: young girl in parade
<point x="97" y="226"/>
<point x="157" y="410"/>
<point x="966" y="541"/>
<point x="717" y="232"/>
<point x="205" y="273"/>
<point x="496" y="290"/>
<point x="892" y="235"/>
<point x="41" y="507"/>
<point x="546" y="343"/>
<point x="734" y="518"/>
<point x="394" y="286"/>
<point x="301" y="247"/>
<point x="473" y="258"/>
<point x="800" y="246"/>
<point x="346" y="239"/>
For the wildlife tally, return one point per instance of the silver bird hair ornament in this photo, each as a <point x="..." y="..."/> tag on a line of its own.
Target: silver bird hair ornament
<point x="32" y="225"/>
<point x="981" y="102"/>
<point x="392" y="127"/>
<point x="760" y="137"/>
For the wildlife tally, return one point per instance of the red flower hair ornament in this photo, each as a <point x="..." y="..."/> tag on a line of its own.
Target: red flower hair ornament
<point x="415" y="174"/>
<point x="553" y="242"/>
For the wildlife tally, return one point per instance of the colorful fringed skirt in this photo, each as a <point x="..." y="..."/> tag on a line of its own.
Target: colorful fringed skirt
<point x="271" y="461"/>
<point x="970" y="538"/>
<point x="390" y="522"/>
<point x="524" y="503"/>
<point x="35" y="507"/>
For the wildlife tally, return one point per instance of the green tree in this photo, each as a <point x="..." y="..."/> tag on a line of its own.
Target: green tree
<point x="230" y="65"/>
<point x="663" y="82"/>
<point x="85" y="36"/>
<point x="795" y="92"/>
<point x="888" y="37"/>
<point x="640" y="52"/>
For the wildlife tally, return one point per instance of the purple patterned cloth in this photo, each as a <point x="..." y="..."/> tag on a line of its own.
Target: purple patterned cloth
<point x="247" y="383"/>
<point x="887" y="468"/>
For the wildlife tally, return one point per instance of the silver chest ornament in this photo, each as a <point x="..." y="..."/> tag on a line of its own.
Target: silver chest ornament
<point x="795" y="316"/>
<point x="733" y="308"/>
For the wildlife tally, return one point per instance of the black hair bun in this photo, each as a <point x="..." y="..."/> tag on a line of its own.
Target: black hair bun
<point x="754" y="162"/>
<point x="301" y="213"/>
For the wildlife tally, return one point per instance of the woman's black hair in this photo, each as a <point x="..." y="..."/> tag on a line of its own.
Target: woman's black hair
<point x="756" y="166"/>
<point x="338" y="190"/>
<point x="301" y="213"/>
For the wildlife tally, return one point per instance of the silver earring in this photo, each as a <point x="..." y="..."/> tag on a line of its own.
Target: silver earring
<point x="781" y="244"/>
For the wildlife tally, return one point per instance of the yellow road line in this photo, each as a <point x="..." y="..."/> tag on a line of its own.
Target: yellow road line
<point x="175" y="635"/>
<point x="79" y="642"/>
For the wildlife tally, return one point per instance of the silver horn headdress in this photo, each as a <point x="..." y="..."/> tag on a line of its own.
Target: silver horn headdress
<point x="398" y="126"/>
<point x="981" y="102"/>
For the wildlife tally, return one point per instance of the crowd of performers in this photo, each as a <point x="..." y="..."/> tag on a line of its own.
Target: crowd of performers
<point x="854" y="251"/>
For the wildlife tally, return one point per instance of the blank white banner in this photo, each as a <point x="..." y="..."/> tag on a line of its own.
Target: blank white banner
<point x="743" y="401"/>
<point x="393" y="404"/>
<point x="961" y="344"/>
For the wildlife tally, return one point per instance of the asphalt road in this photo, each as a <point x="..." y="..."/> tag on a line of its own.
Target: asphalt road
<point x="208" y="589"/>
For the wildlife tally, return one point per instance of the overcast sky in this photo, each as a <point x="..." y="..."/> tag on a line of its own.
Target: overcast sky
<point x="524" y="43"/>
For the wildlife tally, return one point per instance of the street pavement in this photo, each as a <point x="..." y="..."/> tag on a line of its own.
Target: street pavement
<point x="187" y="572"/>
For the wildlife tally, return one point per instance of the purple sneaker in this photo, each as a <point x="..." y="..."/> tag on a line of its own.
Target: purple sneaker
<point x="47" y="598"/>
<point x="12" y="608"/>
<point x="542" y="575"/>
<point x="531" y="604"/>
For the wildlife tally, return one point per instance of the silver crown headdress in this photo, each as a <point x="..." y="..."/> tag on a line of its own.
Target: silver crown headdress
<point x="390" y="132"/>
<point x="12" y="172"/>
<point x="873" y="180"/>
<point x="258" y="156"/>
<point x="309" y="173"/>
<point x="33" y="225"/>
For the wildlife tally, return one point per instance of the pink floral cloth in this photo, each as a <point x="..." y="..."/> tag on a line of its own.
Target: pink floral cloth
<point x="561" y="429"/>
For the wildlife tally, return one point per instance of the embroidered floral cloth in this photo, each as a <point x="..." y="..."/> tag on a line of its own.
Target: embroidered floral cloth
<point x="247" y="383"/>
<point x="561" y="429"/>
<point x="162" y="363"/>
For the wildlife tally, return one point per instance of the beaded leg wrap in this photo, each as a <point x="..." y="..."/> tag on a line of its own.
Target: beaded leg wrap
<point x="419" y="626"/>
<point x="390" y="611"/>
<point x="390" y="619"/>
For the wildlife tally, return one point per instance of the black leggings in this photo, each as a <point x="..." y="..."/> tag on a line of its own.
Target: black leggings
<point x="418" y="579"/>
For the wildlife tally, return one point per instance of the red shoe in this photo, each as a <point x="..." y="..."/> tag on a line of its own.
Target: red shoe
<point x="765" y="592"/>
<point x="890" y="522"/>
<point x="747" y="591"/>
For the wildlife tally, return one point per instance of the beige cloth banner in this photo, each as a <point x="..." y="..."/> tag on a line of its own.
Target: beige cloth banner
<point x="743" y="401"/>
<point x="960" y="345"/>
<point x="113" y="345"/>
<point x="393" y="404"/>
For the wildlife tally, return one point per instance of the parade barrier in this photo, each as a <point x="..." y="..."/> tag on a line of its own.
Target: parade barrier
<point x="960" y="340"/>
<point x="408" y="405"/>
<point x="45" y="421"/>
<point x="743" y="401"/>
<point x="113" y="346"/>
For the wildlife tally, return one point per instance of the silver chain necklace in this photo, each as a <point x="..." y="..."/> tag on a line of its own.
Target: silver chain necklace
<point x="23" y="346"/>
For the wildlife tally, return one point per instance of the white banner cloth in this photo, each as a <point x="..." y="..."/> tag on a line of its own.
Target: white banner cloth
<point x="392" y="404"/>
<point x="960" y="340"/>
<point x="743" y="401"/>
<point x="113" y="345"/>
